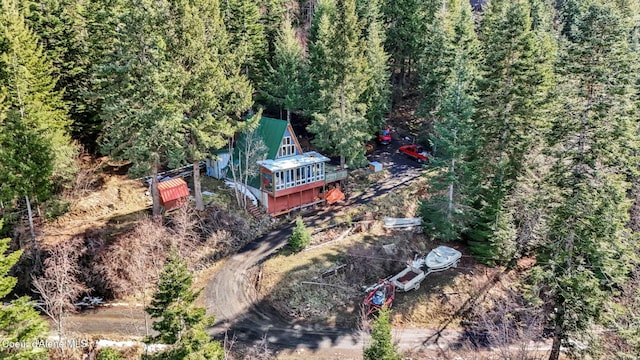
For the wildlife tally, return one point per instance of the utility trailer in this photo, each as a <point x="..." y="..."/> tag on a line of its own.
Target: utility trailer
<point x="438" y="259"/>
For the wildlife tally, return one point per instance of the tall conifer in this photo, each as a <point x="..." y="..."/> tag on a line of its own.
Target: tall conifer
<point x="513" y="91"/>
<point x="19" y="321"/>
<point x="589" y="251"/>
<point x="141" y="87"/>
<point x="447" y="211"/>
<point x="341" y="85"/>
<point x="180" y="324"/>
<point x="284" y="84"/>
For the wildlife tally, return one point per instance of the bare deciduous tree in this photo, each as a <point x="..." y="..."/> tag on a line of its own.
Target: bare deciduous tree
<point x="511" y="328"/>
<point x="133" y="264"/>
<point x="59" y="286"/>
<point x="250" y="150"/>
<point x="184" y="238"/>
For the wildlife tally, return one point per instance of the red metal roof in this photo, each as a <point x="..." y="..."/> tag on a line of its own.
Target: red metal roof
<point x="173" y="189"/>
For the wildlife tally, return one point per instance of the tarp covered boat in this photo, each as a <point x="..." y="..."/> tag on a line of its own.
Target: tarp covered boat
<point x="442" y="258"/>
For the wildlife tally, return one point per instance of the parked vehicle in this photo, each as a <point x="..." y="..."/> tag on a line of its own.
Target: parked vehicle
<point x="409" y="278"/>
<point x="384" y="136"/>
<point x="438" y="259"/>
<point x="380" y="295"/>
<point x="416" y="152"/>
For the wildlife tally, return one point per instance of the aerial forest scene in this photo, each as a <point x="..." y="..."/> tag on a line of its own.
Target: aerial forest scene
<point x="319" y="179"/>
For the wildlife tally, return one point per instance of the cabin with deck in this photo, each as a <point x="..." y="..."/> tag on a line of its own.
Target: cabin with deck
<point x="289" y="177"/>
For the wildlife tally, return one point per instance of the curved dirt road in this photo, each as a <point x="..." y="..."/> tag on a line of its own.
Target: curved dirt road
<point x="231" y="295"/>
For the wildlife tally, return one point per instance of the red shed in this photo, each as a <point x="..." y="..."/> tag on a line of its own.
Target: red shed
<point x="173" y="193"/>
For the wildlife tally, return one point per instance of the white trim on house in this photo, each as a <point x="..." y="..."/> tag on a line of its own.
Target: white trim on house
<point x="293" y="162"/>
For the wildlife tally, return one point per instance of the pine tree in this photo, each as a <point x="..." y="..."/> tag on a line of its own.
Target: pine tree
<point x="381" y="347"/>
<point x="321" y="76"/>
<point x="284" y="83"/>
<point x="513" y="91"/>
<point x="246" y="33"/>
<point x="436" y="59"/>
<point x="29" y="88"/>
<point x="102" y="24"/>
<point x="378" y="88"/>
<point x="589" y="251"/>
<point x="300" y="237"/>
<point x="274" y="14"/>
<point x="180" y="324"/>
<point x="19" y="321"/>
<point x="405" y="21"/>
<point x="61" y="27"/>
<point x="213" y="90"/>
<point x="141" y="87"/>
<point x="341" y="86"/>
<point x="446" y="212"/>
<point x="36" y="150"/>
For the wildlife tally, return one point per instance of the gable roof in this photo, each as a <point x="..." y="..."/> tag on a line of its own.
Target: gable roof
<point x="271" y="131"/>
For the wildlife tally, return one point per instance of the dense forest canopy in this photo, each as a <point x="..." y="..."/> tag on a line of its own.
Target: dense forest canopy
<point x="532" y="108"/>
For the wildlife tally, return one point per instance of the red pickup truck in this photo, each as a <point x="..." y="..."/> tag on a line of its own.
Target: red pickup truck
<point x="416" y="152"/>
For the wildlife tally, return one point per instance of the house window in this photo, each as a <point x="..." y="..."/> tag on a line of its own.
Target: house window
<point x="287" y="148"/>
<point x="299" y="176"/>
<point x="291" y="180"/>
<point x="267" y="182"/>
<point x="299" y="179"/>
<point x="279" y="180"/>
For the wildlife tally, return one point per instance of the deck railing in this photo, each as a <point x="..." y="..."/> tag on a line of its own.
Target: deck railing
<point x="333" y="174"/>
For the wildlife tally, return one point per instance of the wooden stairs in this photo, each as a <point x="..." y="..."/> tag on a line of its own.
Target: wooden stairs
<point x="255" y="211"/>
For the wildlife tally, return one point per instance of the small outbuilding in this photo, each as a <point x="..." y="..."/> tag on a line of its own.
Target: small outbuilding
<point x="173" y="193"/>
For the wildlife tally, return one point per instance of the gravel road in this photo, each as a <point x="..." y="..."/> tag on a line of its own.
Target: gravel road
<point x="231" y="295"/>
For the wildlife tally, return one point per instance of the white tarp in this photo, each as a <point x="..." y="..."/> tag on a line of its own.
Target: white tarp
<point x="243" y="189"/>
<point x="401" y="222"/>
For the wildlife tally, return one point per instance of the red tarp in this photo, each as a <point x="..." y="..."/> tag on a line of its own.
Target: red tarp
<point x="172" y="190"/>
<point x="333" y="196"/>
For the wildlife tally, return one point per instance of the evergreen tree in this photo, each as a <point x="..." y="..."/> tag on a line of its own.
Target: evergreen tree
<point x="102" y="23"/>
<point x="274" y="14"/>
<point x="446" y="212"/>
<point x="513" y="91"/>
<point x="180" y="324"/>
<point x="284" y="83"/>
<point x="141" y="87"/>
<point x="404" y="21"/>
<point x="378" y="88"/>
<point x="381" y="347"/>
<point x="321" y="76"/>
<point x="62" y="31"/>
<point x="246" y="32"/>
<point x="589" y="251"/>
<point x="341" y="87"/>
<point x="300" y="237"/>
<point x="29" y="88"/>
<point x="19" y="321"/>
<point x="436" y="60"/>
<point x="213" y="90"/>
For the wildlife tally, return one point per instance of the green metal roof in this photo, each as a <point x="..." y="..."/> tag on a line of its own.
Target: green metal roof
<point x="272" y="130"/>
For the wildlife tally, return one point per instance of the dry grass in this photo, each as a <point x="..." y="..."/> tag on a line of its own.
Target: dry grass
<point x="401" y="203"/>
<point x="282" y="284"/>
<point x="119" y="200"/>
<point x="366" y="262"/>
